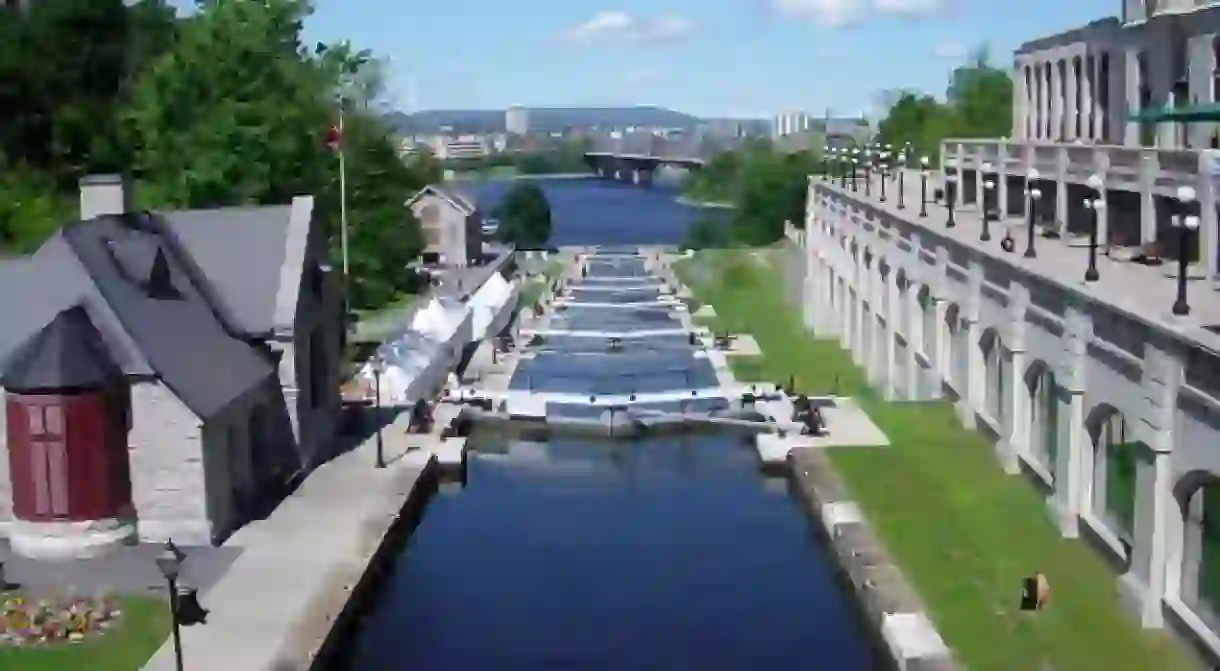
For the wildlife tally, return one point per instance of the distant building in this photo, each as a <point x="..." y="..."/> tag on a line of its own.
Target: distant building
<point x="787" y="123"/>
<point x="446" y="148"/>
<point x="517" y="120"/>
<point x="452" y="225"/>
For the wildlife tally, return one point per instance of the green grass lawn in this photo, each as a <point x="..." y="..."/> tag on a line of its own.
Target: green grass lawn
<point x="963" y="531"/>
<point x="144" y="626"/>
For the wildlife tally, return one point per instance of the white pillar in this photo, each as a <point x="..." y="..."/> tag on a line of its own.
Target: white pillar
<point x="1088" y="73"/>
<point x="914" y="320"/>
<point x="974" y="387"/>
<point x="1143" y="586"/>
<point x="1015" y="396"/>
<point x="1149" y="167"/>
<point x="859" y="284"/>
<point x="1071" y="114"/>
<point x="1131" y="132"/>
<point x="1061" y="186"/>
<point x="1073" y="468"/>
<point x="1209" y="230"/>
<point x="1057" y="101"/>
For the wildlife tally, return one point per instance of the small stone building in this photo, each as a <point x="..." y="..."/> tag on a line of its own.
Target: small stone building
<point x="451" y="223"/>
<point x="163" y="374"/>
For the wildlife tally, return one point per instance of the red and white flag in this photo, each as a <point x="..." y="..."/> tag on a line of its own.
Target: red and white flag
<point x="334" y="138"/>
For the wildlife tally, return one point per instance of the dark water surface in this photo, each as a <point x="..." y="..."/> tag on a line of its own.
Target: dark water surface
<point x="601" y="212"/>
<point x="664" y="553"/>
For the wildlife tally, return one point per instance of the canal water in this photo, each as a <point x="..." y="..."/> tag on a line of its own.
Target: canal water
<point x="574" y="553"/>
<point x="602" y="212"/>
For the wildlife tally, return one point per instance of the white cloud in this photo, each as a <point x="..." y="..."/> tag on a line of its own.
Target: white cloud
<point x="845" y="12"/>
<point x="908" y="7"/>
<point x="949" y="51"/>
<point x="623" y="28"/>
<point x="825" y="12"/>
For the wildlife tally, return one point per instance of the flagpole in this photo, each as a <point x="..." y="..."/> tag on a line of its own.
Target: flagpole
<point x="343" y="217"/>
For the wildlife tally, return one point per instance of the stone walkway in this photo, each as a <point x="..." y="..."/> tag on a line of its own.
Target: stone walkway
<point x="1144" y="293"/>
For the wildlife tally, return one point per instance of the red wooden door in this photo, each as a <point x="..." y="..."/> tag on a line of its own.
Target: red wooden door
<point x="38" y="458"/>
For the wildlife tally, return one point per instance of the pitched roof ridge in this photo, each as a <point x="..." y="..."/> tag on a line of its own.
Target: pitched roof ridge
<point x="195" y="274"/>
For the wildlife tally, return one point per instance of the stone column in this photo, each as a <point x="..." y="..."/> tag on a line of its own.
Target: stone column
<point x="1056" y="101"/>
<point x="1162" y="79"/>
<point x="1142" y="588"/>
<point x="846" y="282"/>
<point x="872" y="291"/>
<point x="1061" y="187"/>
<point x="1149" y="167"/>
<point x="1043" y="105"/>
<point x="1015" y="442"/>
<point x="938" y="348"/>
<point x="1071" y="114"/>
<point x="891" y="306"/>
<point x="968" y="330"/>
<point x="1101" y="159"/>
<point x="1209" y="230"/>
<point x="1001" y="167"/>
<point x="857" y="328"/>
<point x="1131" y="67"/>
<point x="1073" y="462"/>
<point x="914" y="320"/>
<point x="1201" y="64"/>
<point x="1020" y="102"/>
<point x="1089" y="80"/>
<point x="811" y="310"/>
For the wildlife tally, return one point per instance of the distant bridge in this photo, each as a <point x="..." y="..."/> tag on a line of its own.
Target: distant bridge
<point x="634" y="157"/>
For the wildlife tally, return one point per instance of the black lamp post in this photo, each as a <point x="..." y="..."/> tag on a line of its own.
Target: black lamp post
<point x="378" y="368"/>
<point x="1034" y="194"/>
<point x="902" y="168"/>
<point x="855" y="162"/>
<point x="1096" y="205"/>
<point x="923" y="186"/>
<point x="988" y="192"/>
<point x="885" y="173"/>
<point x="826" y="154"/>
<point x="868" y="172"/>
<point x="1187" y="223"/>
<point x="169" y="562"/>
<point x="842" y="160"/>
<point x="951" y="198"/>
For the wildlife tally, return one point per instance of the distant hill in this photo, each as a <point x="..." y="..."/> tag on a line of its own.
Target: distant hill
<point x="541" y="118"/>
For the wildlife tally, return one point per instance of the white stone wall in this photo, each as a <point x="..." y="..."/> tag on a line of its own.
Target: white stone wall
<point x="168" y="487"/>
<point x="1103" y="362"/>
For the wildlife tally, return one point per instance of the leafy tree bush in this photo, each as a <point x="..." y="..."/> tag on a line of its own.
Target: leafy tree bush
<point x="525" y="216"/>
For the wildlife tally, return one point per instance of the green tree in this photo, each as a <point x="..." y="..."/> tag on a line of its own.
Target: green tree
<point x="707" y="232"/>
<point x="525" y="216"/>
<point x="981" y="98"/>
<point x="919" y="119"/>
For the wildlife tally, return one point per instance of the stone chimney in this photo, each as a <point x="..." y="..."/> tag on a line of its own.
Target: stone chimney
<point x="104" y="194"/>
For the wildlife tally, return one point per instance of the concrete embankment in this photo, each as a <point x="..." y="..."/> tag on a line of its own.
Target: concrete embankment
<point x="889" y="605"/>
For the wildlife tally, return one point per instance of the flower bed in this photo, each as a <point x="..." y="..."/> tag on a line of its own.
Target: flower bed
<point x="28" y="622"/>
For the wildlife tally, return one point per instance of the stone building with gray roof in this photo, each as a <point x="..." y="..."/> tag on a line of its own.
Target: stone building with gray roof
<point x="451" y="223"/>
<point x="162" y="372"/>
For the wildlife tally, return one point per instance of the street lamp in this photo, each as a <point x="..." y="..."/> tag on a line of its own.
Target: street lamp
<point x="855" y="162"/>
<point x="902" y="168"/>
<point x="985" y="170"/>
<point x="1035" y="194"/>
<point x="184" y="608"/>
<point x="885" y="173"/>
<point x="378" y="368"/>
<point x="951" y="196"/>
<point x="1096" y="204"/>
<point x="988" y="189"/>
<point x="868" y="171"/>
<point x="1187" y="223"/>
<point x="923" y="186"/>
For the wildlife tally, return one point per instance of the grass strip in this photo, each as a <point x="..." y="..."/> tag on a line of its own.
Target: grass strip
<point x="964" y="532"/>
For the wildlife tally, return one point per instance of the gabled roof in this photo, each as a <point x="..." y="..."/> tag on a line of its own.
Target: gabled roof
<point x="67" y="353"/>
<point x="464" y="202"/>
<point x="176" y="328"/>
<point x="258" y="279"/>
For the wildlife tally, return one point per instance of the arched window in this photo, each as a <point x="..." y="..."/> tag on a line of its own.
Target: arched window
<point x="1114" y="470"/>
<point x="993" y="358"/>
<point x="1043" y="417"/>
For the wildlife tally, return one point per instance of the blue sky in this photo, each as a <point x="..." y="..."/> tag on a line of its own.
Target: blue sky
<point x="705" y="57"/>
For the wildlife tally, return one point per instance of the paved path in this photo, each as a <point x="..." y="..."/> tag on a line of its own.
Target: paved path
<point x="278" y="599"/>
<point x="1141" y="292"/>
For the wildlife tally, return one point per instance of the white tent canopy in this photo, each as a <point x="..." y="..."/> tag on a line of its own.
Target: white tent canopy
<point x="492" y="306"/>
<point x="413" y="368"/>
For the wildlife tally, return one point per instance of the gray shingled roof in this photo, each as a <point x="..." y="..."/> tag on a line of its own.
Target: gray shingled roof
<point x="247" y="275"/>
<point x="461" y="197"/>
<point x="68" y="353"/>
<point x="189" y="341"/>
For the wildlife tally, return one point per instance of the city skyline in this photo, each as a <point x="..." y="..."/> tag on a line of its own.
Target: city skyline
<point x="741" y="58"/>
